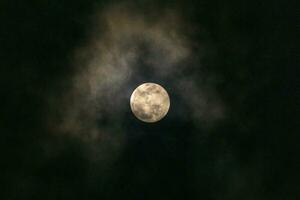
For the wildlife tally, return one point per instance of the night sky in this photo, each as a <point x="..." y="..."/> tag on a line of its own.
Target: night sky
<point x="68" y="68"/>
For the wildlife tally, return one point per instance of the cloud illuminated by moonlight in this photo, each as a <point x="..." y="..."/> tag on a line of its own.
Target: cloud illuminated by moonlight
<point x="106" y="65"/>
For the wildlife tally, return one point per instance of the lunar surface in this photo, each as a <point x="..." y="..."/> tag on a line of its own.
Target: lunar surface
<point x="150" y="102"/>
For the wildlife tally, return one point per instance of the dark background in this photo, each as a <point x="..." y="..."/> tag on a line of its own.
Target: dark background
<point x="252" y="154"/>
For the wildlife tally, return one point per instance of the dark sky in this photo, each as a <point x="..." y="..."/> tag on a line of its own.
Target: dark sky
<point x="242" y="61"/>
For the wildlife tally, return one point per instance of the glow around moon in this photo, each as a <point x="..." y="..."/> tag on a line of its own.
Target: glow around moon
<point x="150" y="102"/>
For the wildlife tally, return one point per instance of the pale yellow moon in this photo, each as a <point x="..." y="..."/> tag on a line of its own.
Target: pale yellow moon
<point x="150" y="102"/>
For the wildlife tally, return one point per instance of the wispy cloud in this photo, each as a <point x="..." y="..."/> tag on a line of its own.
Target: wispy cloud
<point x="123" y="43"/>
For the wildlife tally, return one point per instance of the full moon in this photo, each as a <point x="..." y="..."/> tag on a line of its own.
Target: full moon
<point x="150" y="102"/>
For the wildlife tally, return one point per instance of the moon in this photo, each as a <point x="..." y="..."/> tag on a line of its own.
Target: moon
<point x="150" y="102"/>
